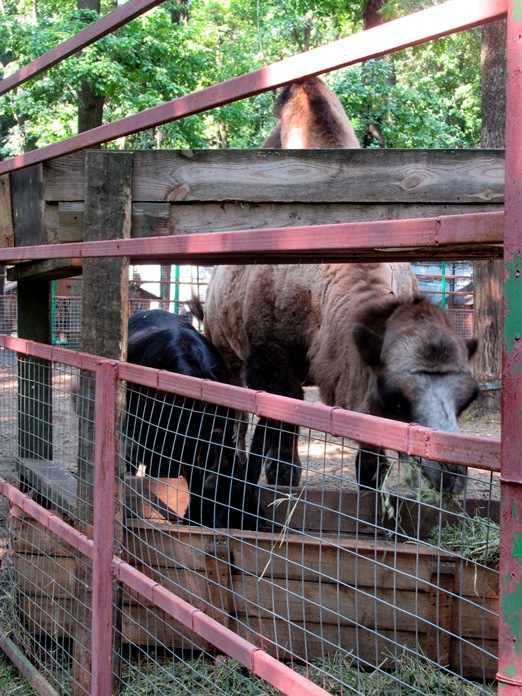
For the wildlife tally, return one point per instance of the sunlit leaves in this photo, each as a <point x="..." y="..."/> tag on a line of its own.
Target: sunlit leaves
<point x="428" y="96"/>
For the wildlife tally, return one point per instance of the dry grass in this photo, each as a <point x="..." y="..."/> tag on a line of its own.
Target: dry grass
<point x="476" y="538"/>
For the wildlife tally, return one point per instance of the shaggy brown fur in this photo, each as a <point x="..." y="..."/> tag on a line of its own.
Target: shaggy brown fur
<point x="310" y="117"/>
<point x="342" y="327"/>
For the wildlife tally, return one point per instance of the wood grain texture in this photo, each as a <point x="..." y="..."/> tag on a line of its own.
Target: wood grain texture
<point x="161" y="219"/>
<point x="6" y="213"/>
<point x="27" y="205"/>
<point x="304" y="176"/>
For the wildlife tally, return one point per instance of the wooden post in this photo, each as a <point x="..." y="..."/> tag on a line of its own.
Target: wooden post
<point x="103" y="332"/>
<point x="34" y="321"/>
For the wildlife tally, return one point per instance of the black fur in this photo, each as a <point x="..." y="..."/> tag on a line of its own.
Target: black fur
<point x="271" y="368"/>
<point x="172" y="435"/>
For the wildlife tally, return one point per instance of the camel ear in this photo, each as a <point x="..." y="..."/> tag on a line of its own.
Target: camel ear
<point x="472" y="345"/>
<point x="369" y="344"/>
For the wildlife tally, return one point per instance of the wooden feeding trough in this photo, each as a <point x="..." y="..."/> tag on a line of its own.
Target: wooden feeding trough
<point x="328" y="583"/>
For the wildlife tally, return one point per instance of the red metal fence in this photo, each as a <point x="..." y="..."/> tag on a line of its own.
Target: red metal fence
<point x="451" y="237"/>
<point x="339" y="570"/>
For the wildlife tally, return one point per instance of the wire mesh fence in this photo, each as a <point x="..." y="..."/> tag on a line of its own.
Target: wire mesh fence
<point x="358" y="590"/>
<point x="171" y="287"/>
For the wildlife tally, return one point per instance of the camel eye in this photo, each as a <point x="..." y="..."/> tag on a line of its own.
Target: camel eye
<point x="395" y="403"/>
<point x="467" y="402"/>
<point x="400" y="405"/>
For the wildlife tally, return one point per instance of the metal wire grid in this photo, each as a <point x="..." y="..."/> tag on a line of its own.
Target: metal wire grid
<point x="67" y="308"/>
<point x="338" y="581"/>
<point x="50" y="584"/>
<point x="339" y="574"/>
<point x="149" y="667"/>
<point x="52" y="609"/>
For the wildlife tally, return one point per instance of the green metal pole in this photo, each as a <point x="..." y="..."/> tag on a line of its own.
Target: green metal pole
<point x="443" y="285"/>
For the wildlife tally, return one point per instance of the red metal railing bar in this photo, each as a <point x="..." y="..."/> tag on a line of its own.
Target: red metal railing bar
<point x="254" y="659"/>
<point x="105" y="457"/>
<point x="482" y="453"/>
<point x="510" y="576"/>
<point x="48" y="519"/>
<point x="448" y="18"/>
<point x="318" y="241"/>
<point x="31" y="674"/>
<point x="104" y="26"/>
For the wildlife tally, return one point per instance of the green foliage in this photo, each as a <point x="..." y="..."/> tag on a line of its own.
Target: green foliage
<point x="428" y="96"/>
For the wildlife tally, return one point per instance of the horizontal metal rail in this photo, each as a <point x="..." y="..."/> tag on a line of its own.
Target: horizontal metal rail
<point x="104" y="26"/>
<point x="454" y="448"/>
<point x="384" y="240"/>
<point x="448" y="18"/>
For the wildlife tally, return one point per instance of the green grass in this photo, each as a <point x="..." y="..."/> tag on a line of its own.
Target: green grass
<point x="338" y="676"/>
<point x="11" y="682"/>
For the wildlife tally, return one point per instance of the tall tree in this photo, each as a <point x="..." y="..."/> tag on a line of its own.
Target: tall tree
<point x="488" y="275"/>
<point x="90" y="100"/>
<point x="373" y="18"/>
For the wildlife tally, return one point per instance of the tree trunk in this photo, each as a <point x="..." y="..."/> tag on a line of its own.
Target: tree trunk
<point x="373" y="18"/>
<point x="90" y="106"/>
<point x="488" y="275"/>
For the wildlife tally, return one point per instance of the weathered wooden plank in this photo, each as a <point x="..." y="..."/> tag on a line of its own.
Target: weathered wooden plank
<point x="51" y="222"/>
<point x="51" y="269"/>
<point x="476" y="581"/>
<point x="52" y="482"/>
<point x="6" y="213"/>
<point x="107" y="216"/>
<point x="318" y="641"/>
<point x="45" y="577"/>
<point x="64" y="178"/>
<point x="356" y="562"/>
<point x="249" y="599"/>
<point x="28" y="206"/>
<point x="139" y="625"/>
<point x="157" y="219"/>
<point x="352" y="176"/>
<point x="148" y="627"/>
<point x="29" y="537"/>
<point x="105" y="302"/>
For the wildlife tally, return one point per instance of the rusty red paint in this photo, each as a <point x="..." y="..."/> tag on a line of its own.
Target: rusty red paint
<point x="382" y="240"/>
<point x="47" y="519"/>
<point x="103" y="533"/>
<point x="404" y="437"/>
<point x="104" y="26"/>
<point x="450" y="17"/>
<point x="253" y="658"/>
<point x="412" y="439"/>
<point x="510" y="624"/>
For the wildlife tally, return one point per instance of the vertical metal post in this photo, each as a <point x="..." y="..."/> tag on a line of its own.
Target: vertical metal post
<point x="443" y="285"/>
<point x="103" y="534"/>
<point x="510" y="629"/>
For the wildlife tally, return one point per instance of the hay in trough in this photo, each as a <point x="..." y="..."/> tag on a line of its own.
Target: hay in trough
<point x="476" y="538"/>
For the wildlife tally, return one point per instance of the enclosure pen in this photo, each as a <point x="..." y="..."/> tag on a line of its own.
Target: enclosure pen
<point x="332" y="587"/>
